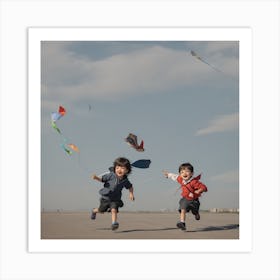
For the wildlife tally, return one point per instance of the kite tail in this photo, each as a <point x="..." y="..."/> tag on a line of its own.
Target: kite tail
<point x="212" y="66"/>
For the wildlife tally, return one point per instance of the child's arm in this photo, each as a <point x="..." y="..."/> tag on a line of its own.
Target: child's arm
<point x="95" y="177"/>
<point x="131" y="195"/>
<point x="199" y="191"/>
<point x="171" y="176"/>
<point x="200" y="188"/>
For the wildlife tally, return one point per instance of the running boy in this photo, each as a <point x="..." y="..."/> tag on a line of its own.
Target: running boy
<point x="192" y="189"/>
<point x="111" y="193"/>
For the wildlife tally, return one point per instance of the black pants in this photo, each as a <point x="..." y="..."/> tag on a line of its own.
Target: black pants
<point x="106" y="204"/>
<point x="189" y="205"/>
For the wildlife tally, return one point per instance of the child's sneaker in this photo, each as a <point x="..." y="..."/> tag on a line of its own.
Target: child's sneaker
<point x="181" y="225"/>
<point x="197" y="216"/>
<point x="114" y="226"/>
<point x="93" y="215"/>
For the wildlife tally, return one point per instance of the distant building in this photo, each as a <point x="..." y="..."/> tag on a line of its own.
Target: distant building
<point x="224" y="210"/>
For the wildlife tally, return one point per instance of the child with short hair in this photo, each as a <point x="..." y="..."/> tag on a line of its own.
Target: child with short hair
<point x="114" y="181"/>
<point x="192" y="189"/>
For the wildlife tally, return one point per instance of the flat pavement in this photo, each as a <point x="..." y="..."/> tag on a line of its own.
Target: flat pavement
<point x="138" y="225"/>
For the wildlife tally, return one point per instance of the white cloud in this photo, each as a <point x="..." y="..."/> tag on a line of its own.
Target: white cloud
<point x="227" y="177"/>
<point x="220" y="124"/>
<point x="154" y="69"/>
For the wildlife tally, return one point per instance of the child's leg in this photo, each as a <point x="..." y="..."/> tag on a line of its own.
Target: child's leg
<point x="104" y="204"/>
<point x="182" y="209"/>
<point x="114" y="205"/>
<point x="93" y="213"/>
<point x="114" y="215"/>
<point x="183" y="215"/>
<point x="183" y="203"/>
<point x="115" y="224"/>
<point x="182" y="224"/>
<point x="195" y="209"/>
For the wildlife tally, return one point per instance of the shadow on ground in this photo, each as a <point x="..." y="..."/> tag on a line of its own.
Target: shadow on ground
<point x="135" y="230"/>
<point x="226" y="227"/>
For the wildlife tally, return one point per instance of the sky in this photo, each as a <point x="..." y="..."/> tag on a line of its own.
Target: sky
<point x="183" y="109"/>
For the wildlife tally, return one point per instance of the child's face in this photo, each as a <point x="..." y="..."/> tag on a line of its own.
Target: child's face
<point x="120" y="171"/>
<point x="186" y="174"/>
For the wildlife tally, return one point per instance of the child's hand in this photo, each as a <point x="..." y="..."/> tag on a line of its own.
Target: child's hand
<point x="165" y="173"/>
<point x="95" y="177"/>
<point x="131" y="196"/>
<point x="198" y="191"/>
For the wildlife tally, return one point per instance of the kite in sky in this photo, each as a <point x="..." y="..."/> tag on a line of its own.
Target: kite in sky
<point x="65" y="149"/>
<point x="56" y="116"/>
<point x="61" y="111"/>
<point x="141" y="163"/>
<point x="202" y="60"/>
<point x="131" y="139"/>
<point x="68" y="148"/>
<point x="73" y="147"/>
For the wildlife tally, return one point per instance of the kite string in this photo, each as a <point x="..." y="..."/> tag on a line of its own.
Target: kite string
<point x="80" y="165"/>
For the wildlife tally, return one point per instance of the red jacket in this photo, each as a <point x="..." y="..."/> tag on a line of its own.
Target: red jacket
<point x="189" y="187"/>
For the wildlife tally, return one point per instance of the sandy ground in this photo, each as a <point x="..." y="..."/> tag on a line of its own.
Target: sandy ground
<point x="78" y="225"/>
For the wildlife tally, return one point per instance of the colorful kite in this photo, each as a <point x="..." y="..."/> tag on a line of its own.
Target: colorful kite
<point x="56" y="116"/>
<point x="61" y="111"/>
<point x="73" y="147"/>
<point x="131" y="139"/>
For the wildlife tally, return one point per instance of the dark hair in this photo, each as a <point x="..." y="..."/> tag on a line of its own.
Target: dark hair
<point x="124" y="162"/>
<point x="186" y="165"/>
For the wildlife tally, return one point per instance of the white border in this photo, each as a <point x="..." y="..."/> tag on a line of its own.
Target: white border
<point x="36" y="35"/>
